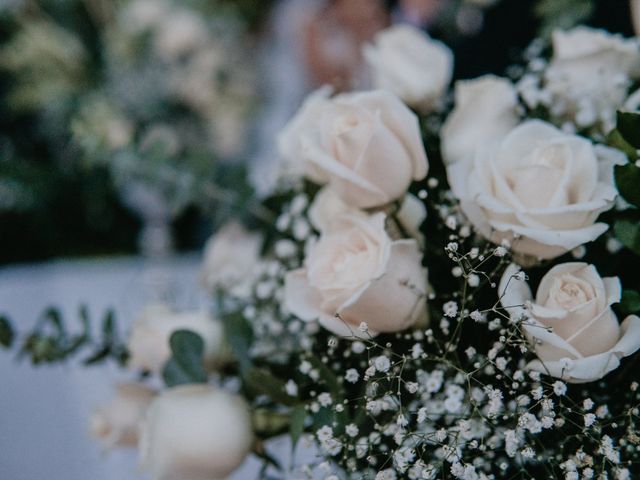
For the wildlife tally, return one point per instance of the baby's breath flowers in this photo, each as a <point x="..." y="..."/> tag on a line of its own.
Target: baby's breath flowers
<point x="465" y="376"/>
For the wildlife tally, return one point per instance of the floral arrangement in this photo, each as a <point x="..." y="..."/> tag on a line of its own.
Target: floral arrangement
<point x="387" y="314"/>
<point x="154" y="94"/>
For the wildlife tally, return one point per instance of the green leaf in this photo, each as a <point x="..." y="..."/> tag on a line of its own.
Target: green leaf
<point x="239" y="335"/>
<point x="628" y="124"/>
<point x="186" y="365"/>
<point x="616" y="140"/>
<point x="109" y="331"/>
<point x="630" y="302"/>
<point x="99" y="355"/>
<point x="298" y="416"/>
<point x="628" y="232"/>
<point x="262" y="381"/>
<point x="628" y="181"/>
<point x="328" y="376"/>
<point x="6" y="332"/>
<point x="53" y="318"/>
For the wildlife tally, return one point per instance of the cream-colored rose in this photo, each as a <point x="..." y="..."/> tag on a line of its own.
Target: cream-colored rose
<point x="327" y="206"/>
<point x="231" y="258"/>
<point x="118" y="423"/>
<point x="195" y="432"/>
<point x="148" y="343"/>
<point x="570" y="324"/>
<point x="590" y="73"/>
<point x="366" y="146"/>
<point x="538" y="184"/>
<point x="356" y="273"/>
<point x="407" y="62"/>
<point x="485" y="111"/>
<point x="289" y="139"/>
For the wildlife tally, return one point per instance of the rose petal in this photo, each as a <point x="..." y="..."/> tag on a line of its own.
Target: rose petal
<point x="300" y="298"/>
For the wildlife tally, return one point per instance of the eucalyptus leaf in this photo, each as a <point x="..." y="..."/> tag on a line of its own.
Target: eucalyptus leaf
<point x="262" y="381"/>
<point x="628" y="232"/>
<point x="239" y="335"/>
<point x="630" y="302"/>
<point x="109" y="327"/>
<point x="628" y="124"/>
<point x="186" y="364"/>
<point x="328" y="376"/>
<point x="98" y="356"/>
<point x="628" y="182"/>
<point x="298" y="416"/>
<point x="6" y="332"/>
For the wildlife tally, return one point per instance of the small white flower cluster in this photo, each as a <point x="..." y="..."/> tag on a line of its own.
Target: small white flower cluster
<point x="580" y="89"/>
<point x="453" y="395"/>
<point x="433" y="413"/>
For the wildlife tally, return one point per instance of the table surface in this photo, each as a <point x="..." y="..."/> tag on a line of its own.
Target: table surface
<point x="44" y="411"/>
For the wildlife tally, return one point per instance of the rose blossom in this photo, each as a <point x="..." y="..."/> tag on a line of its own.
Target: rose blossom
<point x="230" y="259"/>
<point x="195" y="432"/>
<point x="118" y="423"/>
<point x="540" y="184"/>
<point x="485" y="111"/>
<point x="407" y="62"/>
<point x="590" y="73"/>
<point x="327" y="206"/>
<point x="148" y="342"/>
<point x="356" y="273"/>
<point x="570" y="324"/>
<point x="366" y="146"/>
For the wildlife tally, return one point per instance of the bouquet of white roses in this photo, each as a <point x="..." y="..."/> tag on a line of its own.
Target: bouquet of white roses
<point x="392" y="316"/>
<point x="387" y="314"/>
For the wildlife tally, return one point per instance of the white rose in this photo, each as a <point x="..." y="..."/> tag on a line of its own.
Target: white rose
<point x="355" y="273"/>
<point x="407" y="62"/>
<point x="589" y="73"/>
<point x="570" y="324"/>
<point x="195" y="432"/>
<point x="231" y="257"/>
<point x="485" y="111"/>
<point x="290" y="137"/>
<point x="367" y="146"/>
<point x="540" y="184"/>
<point x="118" y="423"/>
<point x="327" y="206"/>
<point x="148" y="343"/>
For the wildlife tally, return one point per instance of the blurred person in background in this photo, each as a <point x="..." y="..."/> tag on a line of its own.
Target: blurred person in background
<point x="333" y="37"/>
<point x="419" y="13"/>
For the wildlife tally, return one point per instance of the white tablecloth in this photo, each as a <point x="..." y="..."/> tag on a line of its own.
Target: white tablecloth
<point x="44" y="410"/>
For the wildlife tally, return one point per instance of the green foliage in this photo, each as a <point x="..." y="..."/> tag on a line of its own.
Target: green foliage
<point x="6" y="332"/>
<point x="262" y="381"/>
<point x="630" y="302"/>
<point x="50" y="341"/>
<point x="628" y="181"/>
<point x="562" y="14"/>
<point x="628" y="232"/>
<point x="239" y="335"/>
<point x="628" y="124"/>
<point x="626" y="137"/>
<point x="186" y="364"/>
<point x="298" y="417"/>
<point x="616" y="140"/>
<point x="327" y="377"/>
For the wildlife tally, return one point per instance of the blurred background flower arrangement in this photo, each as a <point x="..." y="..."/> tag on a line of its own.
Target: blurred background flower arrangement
<point x="118" y="114"/>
